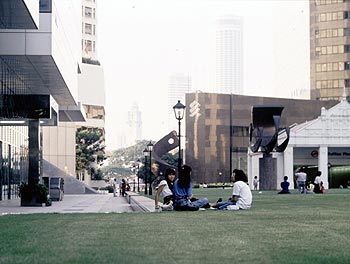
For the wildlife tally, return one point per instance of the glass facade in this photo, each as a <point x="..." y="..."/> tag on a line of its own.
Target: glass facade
<point x="13" y="139"/>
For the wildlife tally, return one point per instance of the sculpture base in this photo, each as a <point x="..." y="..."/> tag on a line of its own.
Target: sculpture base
<point x="267" y="172"/>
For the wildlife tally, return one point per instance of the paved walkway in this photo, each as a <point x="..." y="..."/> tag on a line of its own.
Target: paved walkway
<point x="80" y="203"/>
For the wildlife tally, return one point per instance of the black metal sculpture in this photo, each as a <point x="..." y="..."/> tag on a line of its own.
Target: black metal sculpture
<point x="265" y="128"/>
<point x="163" y="146"/>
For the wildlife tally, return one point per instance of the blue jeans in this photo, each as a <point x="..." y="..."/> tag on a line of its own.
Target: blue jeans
<point x="186" y="205"/>
<point x="223" y="205"/>
<point x="301" y="187"/>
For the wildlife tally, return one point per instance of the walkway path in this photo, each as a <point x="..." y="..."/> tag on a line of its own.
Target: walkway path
<point x="81" y="203"/>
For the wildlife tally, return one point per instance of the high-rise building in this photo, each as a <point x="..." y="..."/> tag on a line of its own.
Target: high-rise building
<point x="179" y="84"/>
<point x="39" y="62"/>
<point x="229" y="55"/>
<point x="89" y="27"/>
<point x="329" y="49"/>
<point x="134" y="125"/>
<point x="91" y="92"/>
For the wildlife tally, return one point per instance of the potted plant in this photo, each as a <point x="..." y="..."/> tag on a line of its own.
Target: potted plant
<point x="33" y="194"/>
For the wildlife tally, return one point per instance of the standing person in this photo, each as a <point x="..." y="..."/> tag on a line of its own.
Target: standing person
<point x="123" y="187"/>
<point x="115" y="187"/>
<point x="317" y="182"/>
<point x="183" y="192"/>
<point x="255" y="182"/>
<point x="284" y="186"/>
<point x="301" y="179"/>
<point x="165" y="189"/>
<point x="241" y="194"/>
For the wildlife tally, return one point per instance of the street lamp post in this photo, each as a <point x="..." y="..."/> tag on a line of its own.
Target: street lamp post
<point x="138" y="178"/>
<point x="179" y="111"/>
<point x="145" y="154"/>
<point x="150" y="148"/>
<point x="134" y="167"/>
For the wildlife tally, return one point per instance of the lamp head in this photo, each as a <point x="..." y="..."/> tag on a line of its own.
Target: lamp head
<point x="150" y="146"/>
<point x="179" y="110"/>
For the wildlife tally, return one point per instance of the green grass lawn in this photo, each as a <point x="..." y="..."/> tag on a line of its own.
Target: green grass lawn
<point x="278" y="229"/>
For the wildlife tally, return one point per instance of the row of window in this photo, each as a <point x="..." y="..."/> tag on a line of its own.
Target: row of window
<point x="332" y="66"/>
<point x="329" y="2"/>
<point x="332" y="49"/>
<point x="331" y="33"/>
<point x="89" y="29"/>
<point x="332" y="16"/>
<point x="333" y="83"/>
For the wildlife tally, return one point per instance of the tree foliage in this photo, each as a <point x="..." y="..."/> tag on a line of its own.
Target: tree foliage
<point x="89" y="149"/>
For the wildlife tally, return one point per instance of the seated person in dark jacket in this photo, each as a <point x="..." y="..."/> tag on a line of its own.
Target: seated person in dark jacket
<point x="285" y="186"/>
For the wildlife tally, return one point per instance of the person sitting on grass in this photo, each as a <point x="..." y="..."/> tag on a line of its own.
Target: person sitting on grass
<point x="284" y="186"/>
<point x="241" y="194"/>
<point x="183" y="193"/>
<point x="165" y="189"/>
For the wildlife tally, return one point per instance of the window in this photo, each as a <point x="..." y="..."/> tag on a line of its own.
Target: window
<point x="346" y="48"/>
<point x="88" y="28"/>
<point x="335" y="66"/>
<point x="89" y="45"/>
<point x="88" y="12"/>
<point x="318" y="85"/>
<point x="329" y="49"/>
<point x="45" y="6"/>
<point x="329" y="67"/>
<point x="335" y="83"/>
<point x="346" y="32"/>
<point x="329" y="84"/>
<point x="334" y="32"/>
<point x="346" y="15"/>
<point x="347" y="82"/>
<point x="335" y="49"/>
<point x="346" y="65"/>
<point x="318" y="67"/>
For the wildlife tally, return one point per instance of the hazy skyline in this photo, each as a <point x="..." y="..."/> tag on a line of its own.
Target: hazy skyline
<point x="142" y="42"/>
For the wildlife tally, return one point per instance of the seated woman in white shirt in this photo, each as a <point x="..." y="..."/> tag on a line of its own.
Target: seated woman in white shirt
<point x="165" y="189"/>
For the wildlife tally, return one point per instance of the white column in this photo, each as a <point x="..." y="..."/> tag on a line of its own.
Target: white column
<point x="289" y="165"/>
<point x="323" y="164"/>
<point x="280" y="169"/>
<point x="249" y="169"/>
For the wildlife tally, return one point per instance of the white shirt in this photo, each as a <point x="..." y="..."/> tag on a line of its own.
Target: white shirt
<point x="301" y="176"/>
<point x="166" y="191"/>
<point x="317" y="180"/>
<point x="242" y="190"/>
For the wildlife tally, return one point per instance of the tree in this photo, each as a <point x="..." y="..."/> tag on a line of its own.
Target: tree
<point x="89" y="149"/>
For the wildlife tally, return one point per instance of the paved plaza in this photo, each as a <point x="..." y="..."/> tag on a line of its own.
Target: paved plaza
<point x="80" y="203"/>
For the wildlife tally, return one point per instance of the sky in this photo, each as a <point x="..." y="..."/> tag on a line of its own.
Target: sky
<point x="142" y="42"/>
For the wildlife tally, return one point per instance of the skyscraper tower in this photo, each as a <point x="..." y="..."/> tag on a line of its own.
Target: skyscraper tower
<point x="229" y="53"/>
<point x="329" y="49"/>
<point x="134" y="124"/>
<point x="179" y="84"/>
